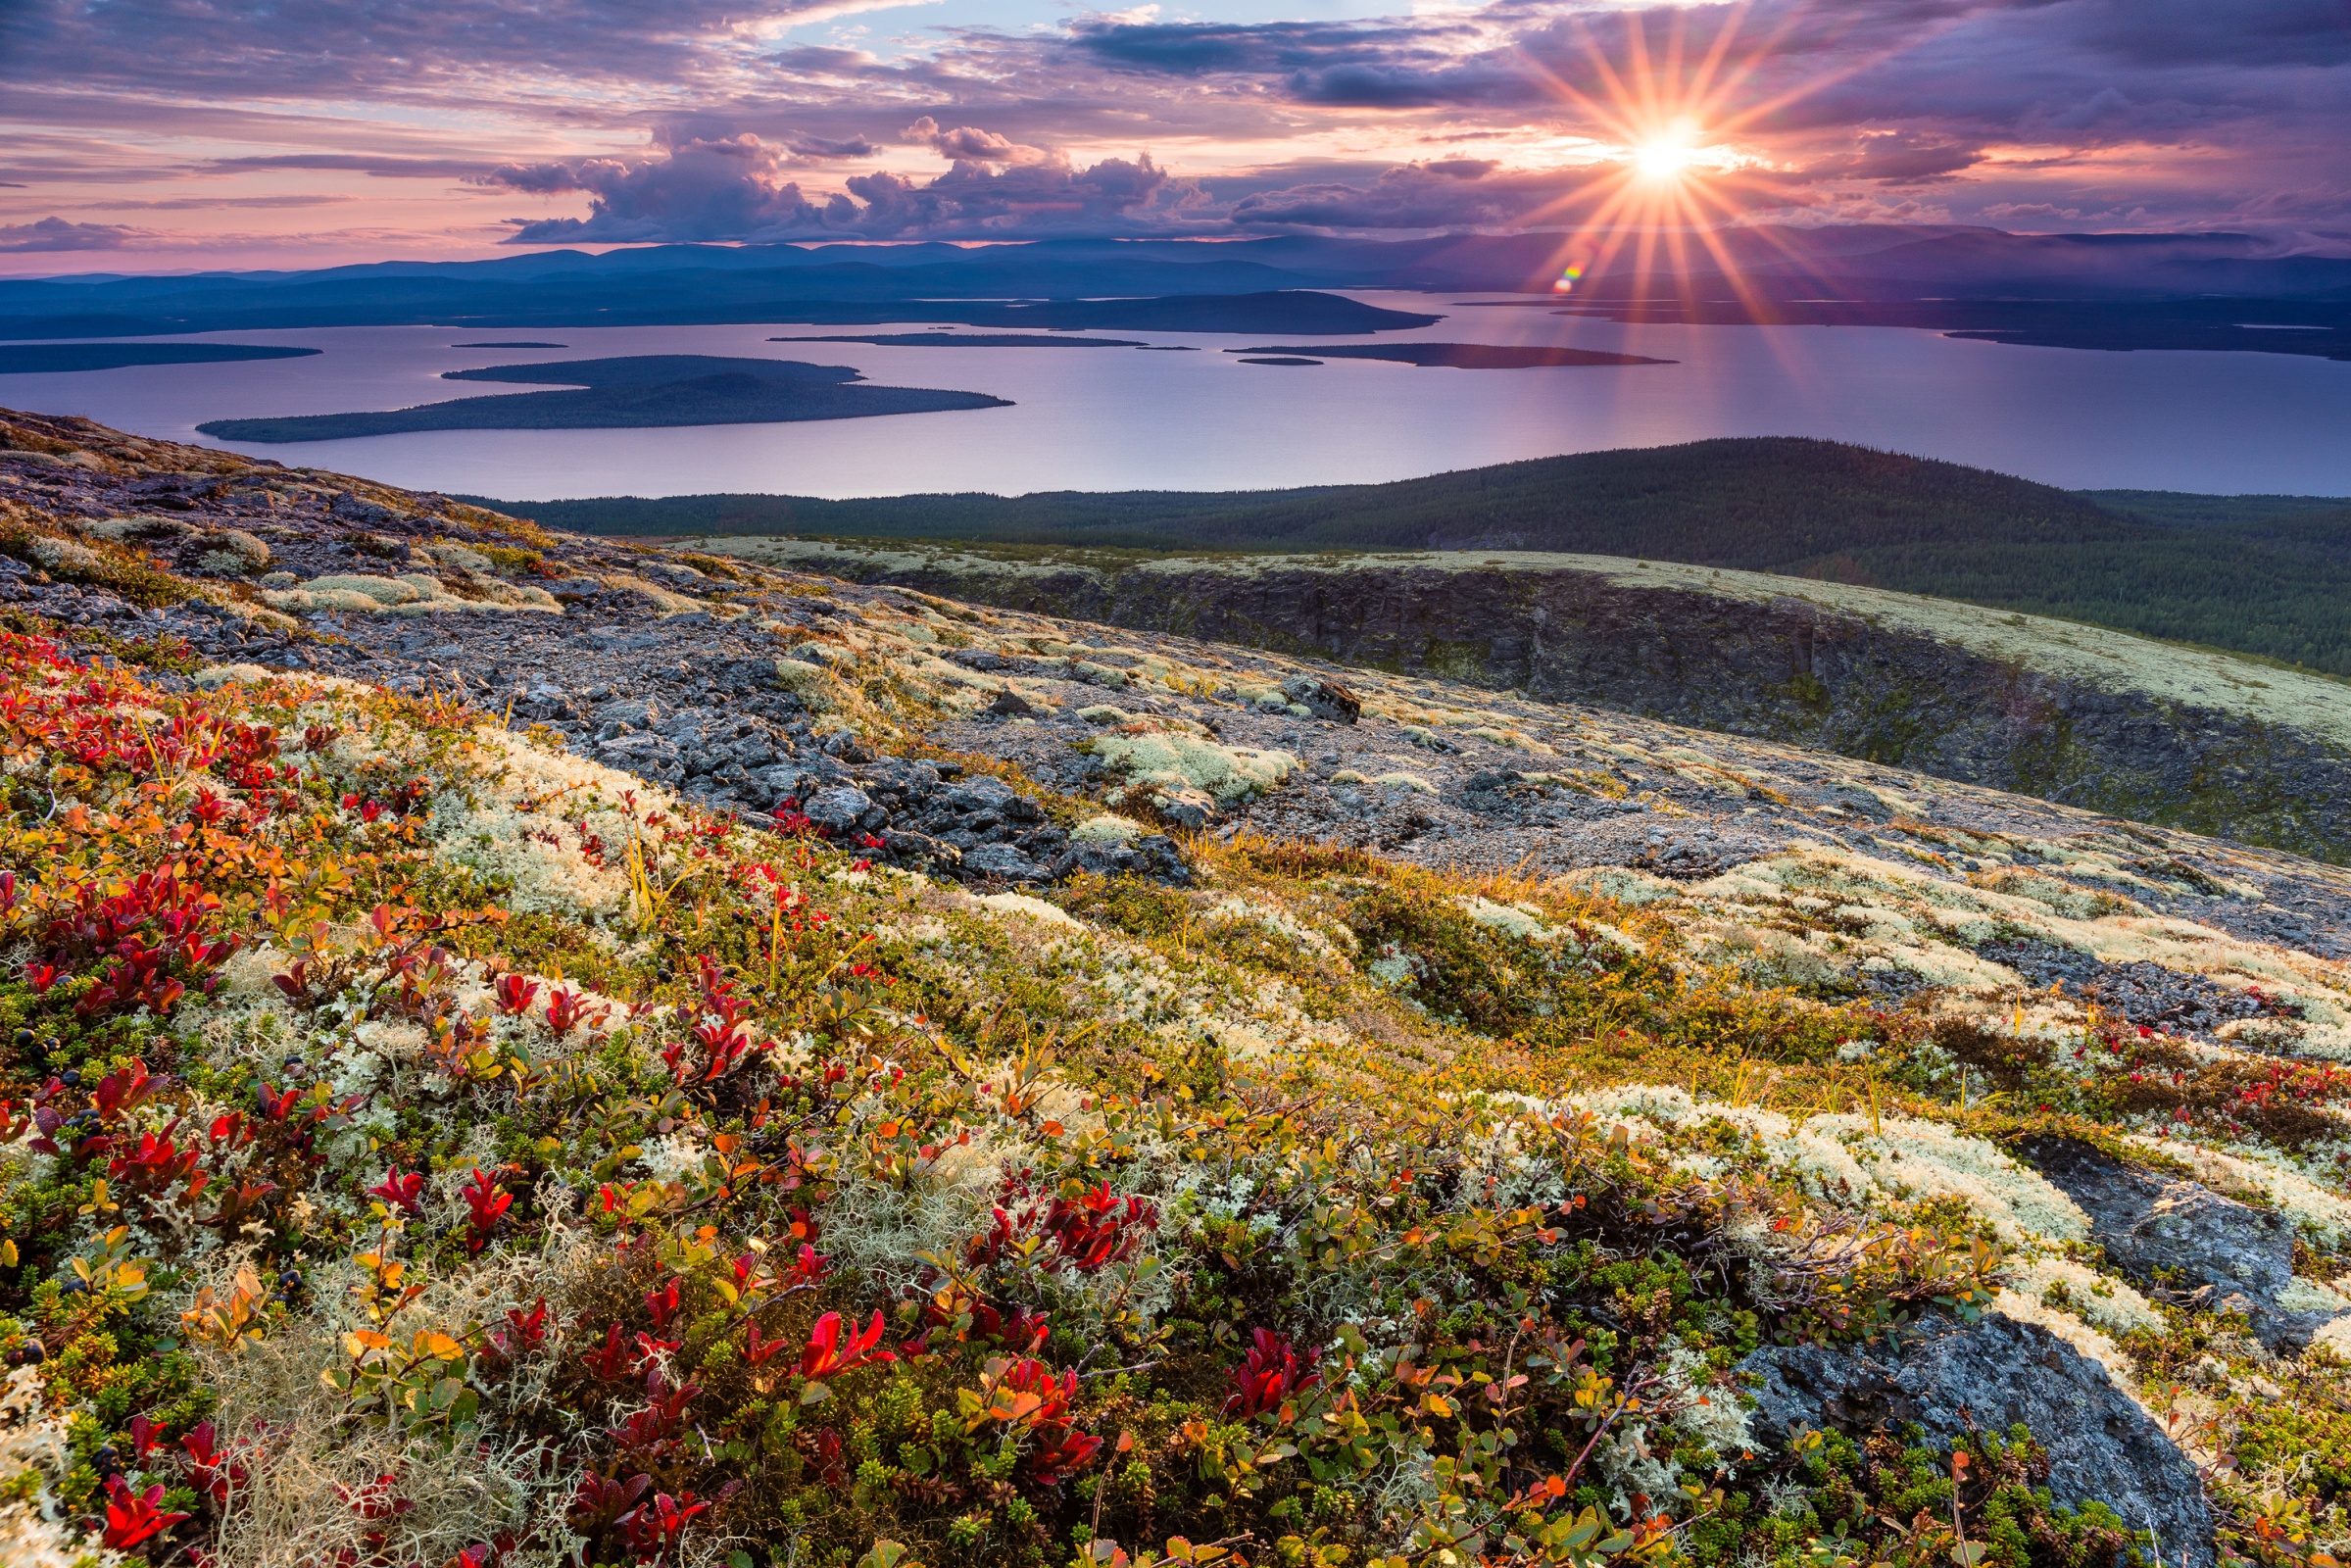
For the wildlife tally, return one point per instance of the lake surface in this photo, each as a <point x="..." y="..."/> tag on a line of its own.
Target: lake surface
<point x="1126" y="418"/>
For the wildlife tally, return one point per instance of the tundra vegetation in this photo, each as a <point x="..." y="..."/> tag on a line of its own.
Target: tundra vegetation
<point x="423" y="1144"/>
<point x="2266" y="575"/>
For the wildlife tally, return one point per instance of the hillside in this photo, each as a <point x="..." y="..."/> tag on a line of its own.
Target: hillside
<point x="527" y="1049"/>
<point x="2101" y="720"/>
<point x="2273" y="580"/>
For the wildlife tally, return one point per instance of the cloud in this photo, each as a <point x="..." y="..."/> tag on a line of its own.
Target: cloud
<point x="968" y="144"/>
<point x="1450" y="193"/>
<point x="2162" y="113"/>
<point x="1903" y="158"/>
<point x="187" y="203"/>
<point x="57" y="235"/>
<point x="724" y="188"/>
<point x="374" y="166"/>
<point x="737" y="188"/>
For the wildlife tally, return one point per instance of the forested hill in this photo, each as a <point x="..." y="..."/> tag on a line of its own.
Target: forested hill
<point x="2265" y="575"/>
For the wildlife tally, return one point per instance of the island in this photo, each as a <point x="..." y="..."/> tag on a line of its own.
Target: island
<point x="1450" y="356"/>
<point x="627" y="393"/>
<point x="38" y="358"/>
<point x="972" y="340"/>
<point x="1287" y="310"/>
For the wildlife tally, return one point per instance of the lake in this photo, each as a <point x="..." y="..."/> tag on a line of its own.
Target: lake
<point x="1126" y="418"/>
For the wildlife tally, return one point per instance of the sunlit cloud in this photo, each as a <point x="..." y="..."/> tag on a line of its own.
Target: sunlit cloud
<point x="746" y="119"/>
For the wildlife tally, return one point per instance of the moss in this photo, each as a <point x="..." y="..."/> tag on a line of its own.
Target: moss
<point x="1455" y="661"/>
<point x="96" y="563"/>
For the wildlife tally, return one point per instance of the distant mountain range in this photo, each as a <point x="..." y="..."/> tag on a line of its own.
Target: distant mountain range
<point x="2263" y="575"/>
<point x="2220" y="290"/>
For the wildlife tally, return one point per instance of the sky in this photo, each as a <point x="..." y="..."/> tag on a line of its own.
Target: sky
<point x="171" y="135"/>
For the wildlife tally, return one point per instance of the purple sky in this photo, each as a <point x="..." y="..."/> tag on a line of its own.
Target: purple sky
<point x="176" y="134"/>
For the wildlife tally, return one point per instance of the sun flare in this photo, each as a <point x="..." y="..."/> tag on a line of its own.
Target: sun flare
<point x="1668" y="155"/>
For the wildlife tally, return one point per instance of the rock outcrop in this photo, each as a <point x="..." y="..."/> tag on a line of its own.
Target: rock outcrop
<point x="1987" y="1377"/>
<point x="2094" y="718"/>
<point x="2185" y="1239"/>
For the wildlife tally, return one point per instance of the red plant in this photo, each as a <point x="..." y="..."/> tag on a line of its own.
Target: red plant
<point x="523" y="1331"/>
<point x="149" y="935"/>
<point x="212" y="1471"/>
<point x="602" y="1502"/>
<point x="1029" y="1393"/>
<point x="828" y="1354"/>
<point x="611" y="1359"/>
<point x="400" y="1190"/>
<point x="118" y="1092"/>
<point x="515" y="993"/>
<point x="653" y="1528"/>
<point x="132" y="1516"/>
<point x="158" y="1163"/>
<point x="487" y="1201"/>
<point x="758" y="1352"/>
<point x="1269" y="1377"/>
<point x="1097" y="1229"/>
<point x="565" y="1008"/>
<point x="651" y="1428"/>
<point x="662" y="1304"/>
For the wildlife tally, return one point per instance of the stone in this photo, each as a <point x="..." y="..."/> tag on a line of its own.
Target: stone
<point x="837" y="811"/>
<point x="1951" y="1378"/>
<point x="1186" y="809"/>
<point x="2162" y="1231"/>
<point x="920" y="849"/>
<point x="1001" y="860"/>
<point x="983" y="793"/>
<point x="1324" y="698"/>
<point x="1009" y="705"/>
<point x="637" y="712"/>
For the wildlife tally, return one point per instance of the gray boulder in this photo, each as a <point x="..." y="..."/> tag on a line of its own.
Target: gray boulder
<point x="980" y="793"/>
<point x="637" y="712"/>
<point x="1001" y="860"/>
<point x="1324" y="698"/>
<point x="2162" y="1231"/>
<point x="837" y="811"/>
<point x="1952" y="1378"/>
<point x="1186" y="809"/>
<point x="635" y="749"/>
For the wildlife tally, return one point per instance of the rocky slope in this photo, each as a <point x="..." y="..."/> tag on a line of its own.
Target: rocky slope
<point x="2076" y="713"/>
<point x="507" y="987"/>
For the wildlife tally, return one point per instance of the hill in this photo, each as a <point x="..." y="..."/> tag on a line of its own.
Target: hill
<point x="2273" y="579"/>
<point x="525" y="1049"/>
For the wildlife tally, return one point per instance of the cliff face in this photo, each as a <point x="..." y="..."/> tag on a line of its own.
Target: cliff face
<point x="2067" y="713"/>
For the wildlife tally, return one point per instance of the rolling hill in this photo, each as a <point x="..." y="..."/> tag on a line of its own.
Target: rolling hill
<point x="2263" y="575"/>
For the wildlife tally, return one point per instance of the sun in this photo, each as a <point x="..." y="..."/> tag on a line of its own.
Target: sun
<point x="1667" y="155"/>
